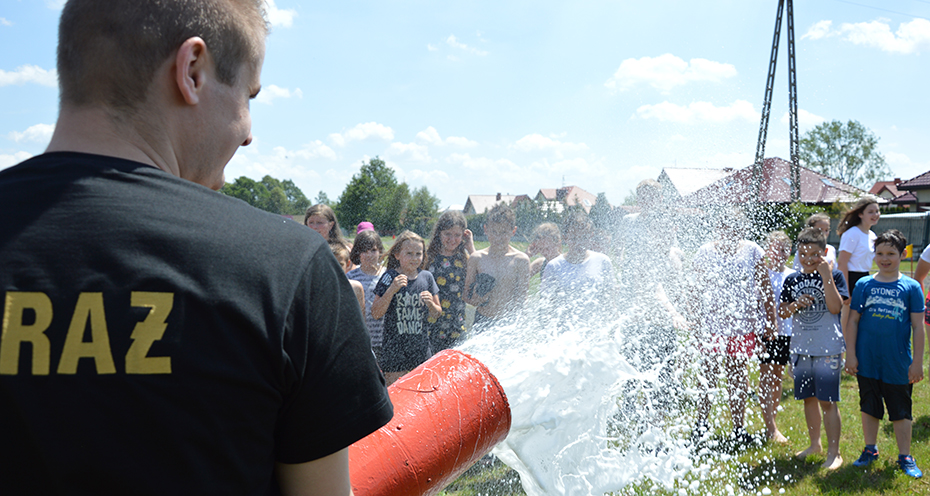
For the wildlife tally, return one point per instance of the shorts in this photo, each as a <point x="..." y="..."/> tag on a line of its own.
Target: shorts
<point x="775" y="350"/>
<point x="817" y="376"/>
<point x="742" y="345"/>
<point x="897" y="398"/>
<point x="853" y="277"/>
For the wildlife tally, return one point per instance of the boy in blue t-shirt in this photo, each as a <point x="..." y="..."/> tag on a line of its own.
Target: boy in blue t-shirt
<point x="886" y="309"/>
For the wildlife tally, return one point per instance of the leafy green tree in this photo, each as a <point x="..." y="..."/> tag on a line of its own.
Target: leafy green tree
<point x="252" y="192"/>
<point x="848" y="152"/>
<point x="529" y="214"/>
<point x="602" y="213"/>
<point x="269" y="194"/>
<point x="357" y="203"/>
<point x="630" y="199"/>
<point x="322" y="199"/>
<point x="421" y="211"/>
<point x="388" y="213"/>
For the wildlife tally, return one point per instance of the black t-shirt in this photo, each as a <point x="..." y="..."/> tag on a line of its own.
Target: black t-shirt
<point x="406" y="341"/>
<point x="162" y="338"/>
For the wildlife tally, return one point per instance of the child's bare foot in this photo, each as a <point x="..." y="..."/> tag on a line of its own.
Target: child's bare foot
<point x="812" y="449"/>
<point x="833" y="463"/>
<point x="778" y="437"/>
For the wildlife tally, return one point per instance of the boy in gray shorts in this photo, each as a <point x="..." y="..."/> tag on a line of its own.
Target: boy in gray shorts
<point x="814" y="298"/>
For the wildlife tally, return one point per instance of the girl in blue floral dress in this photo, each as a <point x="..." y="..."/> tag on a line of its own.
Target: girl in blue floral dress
<point x="449" y="248"/>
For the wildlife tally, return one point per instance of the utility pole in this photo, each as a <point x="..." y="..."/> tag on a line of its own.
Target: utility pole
<point x="792" y="109"/>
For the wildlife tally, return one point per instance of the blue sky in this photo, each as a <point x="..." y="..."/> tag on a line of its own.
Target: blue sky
<point x="482" y="97"/>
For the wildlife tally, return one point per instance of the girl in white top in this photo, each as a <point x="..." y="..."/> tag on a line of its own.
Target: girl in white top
<point x="856" y="244"/>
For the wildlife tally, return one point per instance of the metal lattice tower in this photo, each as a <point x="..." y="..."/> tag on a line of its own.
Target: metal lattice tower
<point x="792" y="109"/>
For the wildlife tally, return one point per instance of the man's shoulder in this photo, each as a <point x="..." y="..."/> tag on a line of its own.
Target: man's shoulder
<point x="518" y="256"/>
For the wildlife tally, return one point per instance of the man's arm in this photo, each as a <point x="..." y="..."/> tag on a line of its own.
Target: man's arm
<point x="831" y="294"/>
<point x="471" y="273"/>
<point x="327" y="476"/>
<point x="768" y="299"/>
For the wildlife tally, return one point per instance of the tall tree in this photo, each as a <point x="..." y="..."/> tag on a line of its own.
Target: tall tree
<point x="421" y="211"/>
<point x="374" y="181"/>
<point x="269" y="194"/>
<point x="388" y="212"/>
<point x="602" y="213"/>
<point x="847" y="152"/>
<point x="322" y="199"/>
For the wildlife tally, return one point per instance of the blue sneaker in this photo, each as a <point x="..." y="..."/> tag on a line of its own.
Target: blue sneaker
<point x="868" y="456"/>
<point x="909" y="466"/>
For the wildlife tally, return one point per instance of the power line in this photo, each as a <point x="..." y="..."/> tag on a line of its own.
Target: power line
<point x="886" y="10"/>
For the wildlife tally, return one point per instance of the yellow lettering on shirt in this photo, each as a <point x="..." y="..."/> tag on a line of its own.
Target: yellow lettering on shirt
<point x="89" y="309"/>
<point x="147" y="332"/>
<point x="15" y="333"/>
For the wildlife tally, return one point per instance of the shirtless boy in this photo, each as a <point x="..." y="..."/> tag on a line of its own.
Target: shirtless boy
<point x="508" y="268"/>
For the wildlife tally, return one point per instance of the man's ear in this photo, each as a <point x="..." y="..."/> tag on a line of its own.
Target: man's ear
<point x="190" y="66"/>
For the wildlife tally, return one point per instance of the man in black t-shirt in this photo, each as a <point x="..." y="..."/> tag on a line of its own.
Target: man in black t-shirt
<point x="158" y="337"/>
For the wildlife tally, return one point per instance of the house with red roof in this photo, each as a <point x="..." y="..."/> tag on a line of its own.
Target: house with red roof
<point x="558" y="199"/>
<point x="915" y="193"/>
<point x="479" y="204"/>
<point x="774" y="187"/>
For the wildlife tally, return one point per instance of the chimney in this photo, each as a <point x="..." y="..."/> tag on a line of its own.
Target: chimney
<point x="897" y="181"/>
<point x="498" y="197"/>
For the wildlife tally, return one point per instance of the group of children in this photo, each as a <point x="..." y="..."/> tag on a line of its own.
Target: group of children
<point x="885" y="314"/>
<point x="414" y="305"/>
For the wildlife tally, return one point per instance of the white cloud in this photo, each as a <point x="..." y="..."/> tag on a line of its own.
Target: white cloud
<point x="409" y="151"/>
<point x="55" y="4"/>
<point x="904" y="166"/>
<point x="699" y="112"/>
<point x="11" y="160"/>
<point x="431" y="47"/>
<point x="666" y="72"/>
<point x="461" y="141"/>
<point x="432" y="176"/>
<point x="367" y="130"/>
<point x="5" y="22"/>
<point x="806" y="119"/>
<point x="430" y="136"/>
<point x="538" y="142"/>
<point x="910" y="37"/>
<point x="821" y="29"/>
<point x="453" y="42"/>
<point x="312" y="150"/>
<point x="279" y="17"/>
<point x="577" y="166"/>
<point x="482" y="164"/>
<point x="734" y="160"/>
<point x="39" y="133"/>
<point x="29" y="74"/>
<point x="271" y="92"/>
